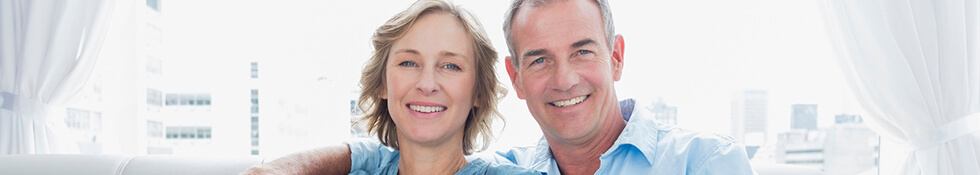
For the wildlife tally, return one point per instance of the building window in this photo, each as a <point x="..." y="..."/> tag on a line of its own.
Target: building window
<point x="255" y="70"/>
<point x="154" y="129"/>
<point x="254" y="116"/>
<point x="171" y="99"/>
<point x="188" y="99"/>
<point x="77" y="119"/>
<point x="83" y="120"/>
<point x="153" y="4"/>
<point x="154" y="97"/>
<point x="189" y="132"/>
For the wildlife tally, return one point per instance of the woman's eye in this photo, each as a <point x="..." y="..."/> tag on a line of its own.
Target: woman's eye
<point x="452" y="66"/>
<point x="407" y="64"/>
<point x="583" y="52"/>
<point x="539" y="60"/>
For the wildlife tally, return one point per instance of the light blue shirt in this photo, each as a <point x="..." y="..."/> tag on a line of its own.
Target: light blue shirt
<point x="373" y="158"/>
<point x="644" y="147"/>
<point x="648" y="147"/>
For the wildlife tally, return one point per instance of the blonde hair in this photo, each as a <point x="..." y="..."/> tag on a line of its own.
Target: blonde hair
<point x="477" y="132"/>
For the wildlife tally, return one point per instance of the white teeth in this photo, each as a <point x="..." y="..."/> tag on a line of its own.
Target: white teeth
<point x="427" y="109"/>
<point x="569" y="102"/>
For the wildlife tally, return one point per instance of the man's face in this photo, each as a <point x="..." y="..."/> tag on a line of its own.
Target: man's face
<point x="565" y="69"/>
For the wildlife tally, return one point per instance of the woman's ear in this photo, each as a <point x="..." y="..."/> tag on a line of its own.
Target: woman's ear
<point x="384" y="93"/>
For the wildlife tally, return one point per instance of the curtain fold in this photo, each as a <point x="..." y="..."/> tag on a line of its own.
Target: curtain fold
<point x="914" y="66"/>
<point x="47" y="53"/>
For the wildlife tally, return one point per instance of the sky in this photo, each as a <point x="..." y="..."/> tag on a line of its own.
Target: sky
<point x="694" y="54"/>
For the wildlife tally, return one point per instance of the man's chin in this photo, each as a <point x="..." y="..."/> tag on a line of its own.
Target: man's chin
<point x="571" y="134"/>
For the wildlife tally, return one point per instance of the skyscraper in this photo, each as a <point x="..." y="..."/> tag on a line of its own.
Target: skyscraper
<point x="804" y="117"/>
<point x="662" y="112"/>
<point x="750" y="110"/>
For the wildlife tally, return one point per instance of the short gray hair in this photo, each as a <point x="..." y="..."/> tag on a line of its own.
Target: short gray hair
<point x="517" y="4"/>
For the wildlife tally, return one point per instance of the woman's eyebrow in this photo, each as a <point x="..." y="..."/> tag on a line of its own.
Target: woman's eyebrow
<point x="411" y="51"/>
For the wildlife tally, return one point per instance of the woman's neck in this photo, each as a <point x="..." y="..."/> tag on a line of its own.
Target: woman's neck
<point x="444" y="158"/>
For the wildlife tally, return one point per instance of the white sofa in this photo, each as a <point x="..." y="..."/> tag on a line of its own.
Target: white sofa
<point x="182" y="165"/>
<point x="123" y="165"/>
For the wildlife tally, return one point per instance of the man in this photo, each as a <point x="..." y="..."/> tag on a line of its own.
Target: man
<point x="565" y="58"/>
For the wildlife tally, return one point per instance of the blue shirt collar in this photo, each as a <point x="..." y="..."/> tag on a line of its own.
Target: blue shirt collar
<point x="641" y="132"/>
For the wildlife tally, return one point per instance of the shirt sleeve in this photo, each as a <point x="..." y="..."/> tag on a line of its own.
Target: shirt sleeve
<point x="369" y="156"/>
<point x="726" y="159"/>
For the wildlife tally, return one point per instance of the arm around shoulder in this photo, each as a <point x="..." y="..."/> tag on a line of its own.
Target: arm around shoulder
<point x="326" y="160"/>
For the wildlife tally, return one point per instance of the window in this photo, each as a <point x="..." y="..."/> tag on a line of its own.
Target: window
<point x="84" y="120"/>
<point x="153" y="4"/>
<point x="175" y="99"/>
<point x="255" y="70"/>
<point x="154" y="97"/>
<point x="77" y="119"/>
<point x="154" y="129"/>
<point x="171" y="99"/>
<point x="189" y="132"/>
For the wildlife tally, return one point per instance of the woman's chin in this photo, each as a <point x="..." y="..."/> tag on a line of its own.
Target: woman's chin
<point x="426" y="138"/>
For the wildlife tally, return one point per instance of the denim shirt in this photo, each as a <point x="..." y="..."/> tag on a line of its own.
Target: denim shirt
<point x="647" y="147"/>
<point x="644" y="147"/>
<point x="373" y="158"/>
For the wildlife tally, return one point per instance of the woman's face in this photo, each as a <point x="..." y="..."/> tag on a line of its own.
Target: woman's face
<point x="430" y="78"/>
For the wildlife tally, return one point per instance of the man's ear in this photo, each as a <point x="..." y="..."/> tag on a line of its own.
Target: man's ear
<point x="617" y="57"/>
<point x="512" y="73"/>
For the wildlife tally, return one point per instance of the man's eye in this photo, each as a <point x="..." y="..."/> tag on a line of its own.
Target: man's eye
<point x="539" y="60"/>
<point x="583" y="52"/>
<point x="452" y="66"/>
<point x="407" y="64"/>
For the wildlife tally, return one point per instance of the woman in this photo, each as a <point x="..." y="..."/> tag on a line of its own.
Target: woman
<point x="429" y="92"/>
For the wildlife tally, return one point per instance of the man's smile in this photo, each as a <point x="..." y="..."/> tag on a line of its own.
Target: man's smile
<point x="570" y="101"/>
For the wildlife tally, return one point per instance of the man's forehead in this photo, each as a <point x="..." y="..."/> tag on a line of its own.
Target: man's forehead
<point x="556" y="23"/>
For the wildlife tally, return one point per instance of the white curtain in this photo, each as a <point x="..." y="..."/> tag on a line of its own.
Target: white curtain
<point x="914" y="67"/>
<point x="47" y="51"/>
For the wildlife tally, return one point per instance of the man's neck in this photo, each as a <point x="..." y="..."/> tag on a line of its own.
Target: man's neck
<point x="583" y="157"/>
<point x="439" y="159"/>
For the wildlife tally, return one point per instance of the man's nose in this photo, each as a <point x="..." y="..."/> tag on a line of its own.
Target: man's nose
<point x="426" y="85"/>
<point x="565" y="77"/>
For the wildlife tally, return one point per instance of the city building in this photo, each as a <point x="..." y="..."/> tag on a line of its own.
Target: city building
<point x="841" y="149"/>
<point x="750" y="109"/>
<point x="847" y="118"/>
<point x="663" y="112"/>
<point x="804" y="117"/>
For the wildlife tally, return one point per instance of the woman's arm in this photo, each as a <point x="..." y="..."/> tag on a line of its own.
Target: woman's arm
<point x="327" y="160"/>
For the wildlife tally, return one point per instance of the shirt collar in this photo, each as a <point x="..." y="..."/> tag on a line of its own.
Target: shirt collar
<point x="641" y="131"/>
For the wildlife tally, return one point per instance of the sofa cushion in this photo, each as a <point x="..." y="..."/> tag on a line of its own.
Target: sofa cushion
<point x="62" y="164"/>
<point x="123" y="165"/>
<point x="153" y="165"/>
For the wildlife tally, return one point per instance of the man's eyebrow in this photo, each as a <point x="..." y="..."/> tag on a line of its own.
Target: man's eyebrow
<point x="583" y="42"/>
<point x="535" y="52"/>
